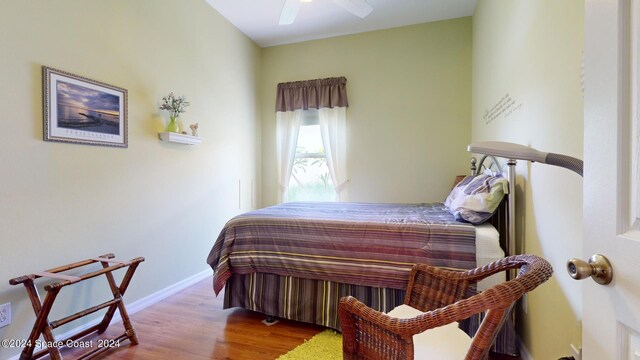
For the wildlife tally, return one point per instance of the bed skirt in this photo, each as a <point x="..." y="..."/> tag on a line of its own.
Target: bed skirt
<point x="316" y="302"/>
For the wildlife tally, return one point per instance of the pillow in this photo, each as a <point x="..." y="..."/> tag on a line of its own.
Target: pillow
<point x="476" y="197"/>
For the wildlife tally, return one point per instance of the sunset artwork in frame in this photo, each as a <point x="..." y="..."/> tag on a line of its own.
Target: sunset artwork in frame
<point x="83" y="111"/>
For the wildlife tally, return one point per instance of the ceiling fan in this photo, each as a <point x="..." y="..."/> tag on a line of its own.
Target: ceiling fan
<point x="359" y="8"/>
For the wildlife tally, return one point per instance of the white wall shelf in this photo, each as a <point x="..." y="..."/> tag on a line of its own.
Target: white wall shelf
<point x="180" y="138"/>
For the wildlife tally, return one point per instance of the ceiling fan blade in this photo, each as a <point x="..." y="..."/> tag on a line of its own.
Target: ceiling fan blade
<point x="289" y="12"/>
<point x="359" y="8"/>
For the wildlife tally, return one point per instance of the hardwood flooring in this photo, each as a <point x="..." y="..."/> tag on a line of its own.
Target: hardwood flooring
<point x="192" y="325"/>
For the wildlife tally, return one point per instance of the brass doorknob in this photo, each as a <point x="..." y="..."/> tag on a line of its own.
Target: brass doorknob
<point x="598" y="268"/>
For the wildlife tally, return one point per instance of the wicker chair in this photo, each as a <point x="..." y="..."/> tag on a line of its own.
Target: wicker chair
<point x="435" y="300"/>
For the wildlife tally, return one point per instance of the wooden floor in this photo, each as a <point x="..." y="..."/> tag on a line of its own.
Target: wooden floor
<point x="193" y="325"/>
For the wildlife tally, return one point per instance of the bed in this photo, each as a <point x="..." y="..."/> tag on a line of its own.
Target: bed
<point x="296" y="260"/>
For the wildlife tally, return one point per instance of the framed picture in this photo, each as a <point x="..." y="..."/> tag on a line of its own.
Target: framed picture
<point x="83" y="111"/>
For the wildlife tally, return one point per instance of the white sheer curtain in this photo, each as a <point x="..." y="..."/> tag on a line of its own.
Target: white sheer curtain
<point x="333" y="127"/>
<point x="329" y="96"/>
<point x="287" y="129"/>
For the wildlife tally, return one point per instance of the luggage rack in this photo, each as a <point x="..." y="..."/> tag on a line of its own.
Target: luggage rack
<point x="44" y="327"/>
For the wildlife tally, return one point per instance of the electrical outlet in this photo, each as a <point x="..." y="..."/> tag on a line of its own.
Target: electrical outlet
<point x="5" y="314"/>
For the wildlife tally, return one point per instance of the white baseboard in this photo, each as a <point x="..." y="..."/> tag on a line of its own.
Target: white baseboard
<point x="140" y="304"/>
<point x="160" y="295"/>
<point x="524" y="352"/>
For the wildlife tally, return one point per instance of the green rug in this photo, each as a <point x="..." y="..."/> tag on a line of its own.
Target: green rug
<point x="326" y="345"/>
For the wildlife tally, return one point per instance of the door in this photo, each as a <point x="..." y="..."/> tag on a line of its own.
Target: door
<point x="611" y="313"/>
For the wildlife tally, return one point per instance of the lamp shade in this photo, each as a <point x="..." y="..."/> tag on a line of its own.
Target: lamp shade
<point x="507" y="150"/>
<point x="520" y="152"/>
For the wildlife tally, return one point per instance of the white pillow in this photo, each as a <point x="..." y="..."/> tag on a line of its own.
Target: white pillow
<point x="476" y="198"/>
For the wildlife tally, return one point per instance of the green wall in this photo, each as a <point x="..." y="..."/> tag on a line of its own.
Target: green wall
<point x="409" y="117"/>
<point x="530" y="54"/>
<point x="418" y="95"/>
<point x="61" y="203"/>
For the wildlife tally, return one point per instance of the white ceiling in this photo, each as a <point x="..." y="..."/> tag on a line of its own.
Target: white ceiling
<point x="258" y="19"/>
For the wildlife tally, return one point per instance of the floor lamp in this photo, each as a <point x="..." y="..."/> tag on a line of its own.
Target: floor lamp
<point x="520" y="152"/>
<point x="598" y="267"/>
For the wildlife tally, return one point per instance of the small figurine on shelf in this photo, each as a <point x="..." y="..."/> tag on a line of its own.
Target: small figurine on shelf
<point x="194" y="129"/>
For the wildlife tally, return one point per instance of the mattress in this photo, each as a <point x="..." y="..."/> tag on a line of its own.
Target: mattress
<point x="488" y="250"/>
<point x="364" y="244"/>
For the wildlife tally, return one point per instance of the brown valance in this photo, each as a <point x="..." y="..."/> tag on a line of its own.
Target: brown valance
<point x="312" y="94"/>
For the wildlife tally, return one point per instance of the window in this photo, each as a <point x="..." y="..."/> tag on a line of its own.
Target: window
<point x="311" y="135"/>
<point x="310" y="179"/>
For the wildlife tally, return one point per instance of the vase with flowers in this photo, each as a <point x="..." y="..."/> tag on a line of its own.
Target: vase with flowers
<point x="175" y="106"/>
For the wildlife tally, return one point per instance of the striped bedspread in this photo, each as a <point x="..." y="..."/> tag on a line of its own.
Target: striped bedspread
<point x="353" y="243"/>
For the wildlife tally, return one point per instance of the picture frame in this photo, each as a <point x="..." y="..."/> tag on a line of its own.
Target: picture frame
<point x="79" y="110"/>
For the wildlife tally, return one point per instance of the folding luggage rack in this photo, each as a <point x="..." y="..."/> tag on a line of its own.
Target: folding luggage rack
<point x="44" y="327"/>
